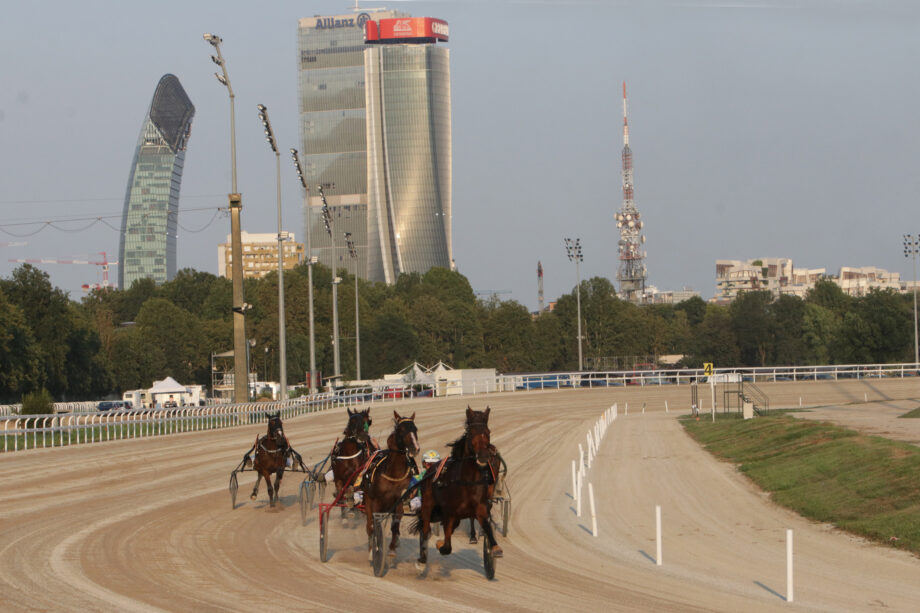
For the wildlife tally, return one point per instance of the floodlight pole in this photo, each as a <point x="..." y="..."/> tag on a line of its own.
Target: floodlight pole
<point x="354" y="255"/>
<point x="328" y="221"/>
<point x="911" y="249"/>
<point x="311" y="260"/>
<point x="573" y="250"/>
<point x="240" y="349"/>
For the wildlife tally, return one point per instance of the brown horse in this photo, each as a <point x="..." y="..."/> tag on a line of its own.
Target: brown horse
<point x="463" y="487"/>
<point x="270" y="452"/>
<point x="352" y="452"/>
<point x="388" y="477"/>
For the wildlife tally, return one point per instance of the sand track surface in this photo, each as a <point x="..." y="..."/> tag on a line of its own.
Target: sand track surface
<point x="147" y="525"/>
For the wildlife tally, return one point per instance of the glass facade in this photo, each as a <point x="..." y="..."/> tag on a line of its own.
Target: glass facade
<point x="409" y="158"/>
<point x="148" y="227"/>
<point x="333" y="133"/>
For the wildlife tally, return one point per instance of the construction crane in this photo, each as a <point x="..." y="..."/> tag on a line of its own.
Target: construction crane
<point x="540" y="285"/>
<point x="491" y="293"/>
<point x="86" y="286"/>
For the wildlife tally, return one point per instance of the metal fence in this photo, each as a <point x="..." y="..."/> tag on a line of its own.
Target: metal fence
<point x="82" y="424"/>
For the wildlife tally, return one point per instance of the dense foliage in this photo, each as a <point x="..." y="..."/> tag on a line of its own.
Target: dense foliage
<point x="117" y="340"/>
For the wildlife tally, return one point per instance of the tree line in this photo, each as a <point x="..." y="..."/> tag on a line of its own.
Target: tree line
<point x="115" y="340"/>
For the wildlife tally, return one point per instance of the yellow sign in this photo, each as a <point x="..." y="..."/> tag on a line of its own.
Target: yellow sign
<point x="707" y="369"/>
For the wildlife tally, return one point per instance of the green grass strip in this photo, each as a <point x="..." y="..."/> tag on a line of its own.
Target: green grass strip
<point x="912" y="414"/>
<point x="867" y="485"/>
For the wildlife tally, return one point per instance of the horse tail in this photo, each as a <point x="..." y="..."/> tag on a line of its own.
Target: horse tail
<point x="416" y="526"/>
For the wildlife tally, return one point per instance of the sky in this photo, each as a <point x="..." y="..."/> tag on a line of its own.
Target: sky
<point x="761" y="128"/>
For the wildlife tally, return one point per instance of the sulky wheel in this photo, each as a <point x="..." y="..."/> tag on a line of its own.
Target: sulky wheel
<point x="377" y="546"/>
<point x="488" y="561"/>
<point x="323" y="536"/>
<point x="304" y="502"/>
<point x="234" y="486"/>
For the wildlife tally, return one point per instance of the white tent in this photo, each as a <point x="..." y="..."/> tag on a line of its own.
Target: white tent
<point x="162" y="390"/>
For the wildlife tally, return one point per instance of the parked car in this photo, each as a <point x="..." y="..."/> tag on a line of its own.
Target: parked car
<point x="114" y="405"/>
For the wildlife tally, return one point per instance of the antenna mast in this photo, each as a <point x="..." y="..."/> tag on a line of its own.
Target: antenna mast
<point x="540" y="285"/>
<point x="631" y="272"/>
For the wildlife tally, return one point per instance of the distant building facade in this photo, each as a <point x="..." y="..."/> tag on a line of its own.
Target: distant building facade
<point x="260" y="254"/>
<point x="780" y="277"/>
<point x="375" y="133"/>
<point x="147" y="247"/>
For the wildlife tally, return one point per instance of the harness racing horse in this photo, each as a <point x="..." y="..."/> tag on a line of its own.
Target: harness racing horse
<point x="271" y="450"/>
<point x="351" y="453"/>
<point x="387" y="478"/>
<point x="462" y="487"/>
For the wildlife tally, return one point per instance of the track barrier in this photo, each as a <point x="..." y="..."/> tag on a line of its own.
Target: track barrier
<point x="789" y="592"/>
<point x="658" y="535"/>
<point x="593" y="512"/>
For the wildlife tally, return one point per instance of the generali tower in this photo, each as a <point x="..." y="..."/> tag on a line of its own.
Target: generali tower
<point x="375" y="134"/>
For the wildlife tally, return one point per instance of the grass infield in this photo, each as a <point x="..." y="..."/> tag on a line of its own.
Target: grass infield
<point x="867" y="485"/>
<point x="915" y="414"/>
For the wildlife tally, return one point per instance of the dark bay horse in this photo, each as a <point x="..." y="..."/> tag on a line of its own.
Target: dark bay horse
<point x="352" y="452"/>
<point x="388" y="477"/>
<point x="463" y="487"/>
<point x="270" y="451"/>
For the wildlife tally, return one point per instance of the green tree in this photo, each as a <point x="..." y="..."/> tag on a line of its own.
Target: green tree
<point x="753" y="324"/>
<point x="20" y="369"/>
<point x="508" y="337"/>
<point x="716" y="340"/>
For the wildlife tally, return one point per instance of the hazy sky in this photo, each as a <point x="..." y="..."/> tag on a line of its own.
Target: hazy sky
<point x="764" y="128"/>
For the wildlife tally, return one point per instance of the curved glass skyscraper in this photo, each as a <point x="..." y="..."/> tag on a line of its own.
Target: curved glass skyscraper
<point x="148" y="224"/>
<point x="375" y="133"/>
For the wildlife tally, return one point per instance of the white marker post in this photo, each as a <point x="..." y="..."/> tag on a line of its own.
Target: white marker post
<point x="789" y="594"/>
<point x="590" y="447"/>
<point x="574" y="481"/>
<point x="658" y="534"/>
<point x="626" y="409"/>
<point x="581" y="459"/>
<point x="578" y="497"/>
<point x="593" y="514"/>
<point x="665" y="406"/>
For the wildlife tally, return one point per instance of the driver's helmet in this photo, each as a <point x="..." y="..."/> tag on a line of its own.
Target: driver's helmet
<point x="432" y="457"/>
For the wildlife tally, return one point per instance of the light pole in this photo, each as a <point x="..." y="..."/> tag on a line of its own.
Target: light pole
<point x="311" y="260"/>
<point x="327" y="220"/>
<point x="911" y="249"/>
<point x="354" y="255"/>
<point x="240" y="374"/>
<point x="573" y="250"/>
<point x="282" y="344"/>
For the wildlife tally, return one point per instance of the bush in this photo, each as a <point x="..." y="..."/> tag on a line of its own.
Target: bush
<point x="37" y="403"/>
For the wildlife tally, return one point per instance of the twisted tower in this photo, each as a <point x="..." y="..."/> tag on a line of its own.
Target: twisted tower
<point x="631" y="272"/>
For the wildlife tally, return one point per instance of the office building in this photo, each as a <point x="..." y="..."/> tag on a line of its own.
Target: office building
<point x="147" y="247"/>
<point x="375" y="133"/>
<point x="260" y="254"/>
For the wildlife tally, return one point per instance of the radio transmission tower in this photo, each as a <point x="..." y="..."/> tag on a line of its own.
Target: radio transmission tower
<point x="631" y="272"/>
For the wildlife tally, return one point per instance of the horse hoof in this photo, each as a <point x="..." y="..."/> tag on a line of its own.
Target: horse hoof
<point x="473" y="540"/>
<point x="497" y="552"/>
<point x="420" y="566"/>
<point x="391" y="553"/>
<point x="252" y="497"/>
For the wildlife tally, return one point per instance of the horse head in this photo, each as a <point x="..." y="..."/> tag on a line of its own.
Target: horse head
<point x="359" y="423"/>
<point x="276" y="429"/>
<point x="478" y="436"/>
<point x="405" y="435"/>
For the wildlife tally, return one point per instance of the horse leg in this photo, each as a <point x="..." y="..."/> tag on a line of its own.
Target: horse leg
<point x="485" y="520"/>
<point x="369" y="509"/>
<point x="473" y="539"/>
<point x="255" y="489"/>
<point x="394" y="542"/>
<point x="278" y="477"/>
<point x="449" y="523"/>
<point x="271" y="490"/>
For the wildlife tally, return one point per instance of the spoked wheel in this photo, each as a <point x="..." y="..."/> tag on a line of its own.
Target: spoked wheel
<point x="377" y="544"/>
<point x="234" y="486"/>
<point x="323" y="536"/>
<point x="488" y="560"/>
<point x="304" y="502"/>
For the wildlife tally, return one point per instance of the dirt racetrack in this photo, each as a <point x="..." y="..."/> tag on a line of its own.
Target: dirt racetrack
<point x="147" y="524"/>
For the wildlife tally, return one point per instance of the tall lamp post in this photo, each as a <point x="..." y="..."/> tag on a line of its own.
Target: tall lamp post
<point x="240" y="373"/>
<point x="354" y="255"/>
<point x="327" y="220"/>
<point x="311" y="260"/>
<point x="911" y="249"/>
<point x="573" y="250"/>
<point x="282" y="344"/>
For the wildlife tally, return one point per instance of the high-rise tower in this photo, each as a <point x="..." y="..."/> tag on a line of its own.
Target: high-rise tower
<point x="375" y="132"/>
<point x="631" y="272"/>
<point x="148" y="225"/>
